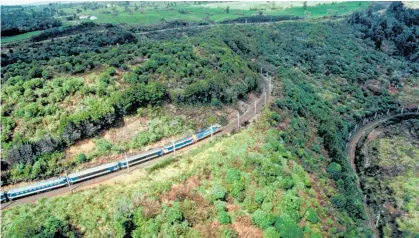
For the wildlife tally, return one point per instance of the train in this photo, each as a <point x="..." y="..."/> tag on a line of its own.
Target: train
<point x="97" y="171"/>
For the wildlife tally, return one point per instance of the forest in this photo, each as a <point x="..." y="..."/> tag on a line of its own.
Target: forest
<point x="17" y="20"/>
<point x="328" y="74"/>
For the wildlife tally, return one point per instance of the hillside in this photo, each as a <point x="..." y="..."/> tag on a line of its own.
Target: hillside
<point x="287" y="175"/>
<point x="388" y="163"/>
<point x="240" y="185"/>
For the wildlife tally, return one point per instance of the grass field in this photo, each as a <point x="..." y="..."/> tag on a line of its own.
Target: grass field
<point x="214" y="11"/>
<point x="19" y="37"/>
<point x="159" y="13"/>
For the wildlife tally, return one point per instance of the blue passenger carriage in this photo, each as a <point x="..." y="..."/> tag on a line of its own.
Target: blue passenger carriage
<point x="93" y="172"/>
<point x="207" y="132"/>
<point x="135" y="159"/>
<point x="3" y="197"/>
<point x="36" y="188"/>
<point x="178" y="144"/>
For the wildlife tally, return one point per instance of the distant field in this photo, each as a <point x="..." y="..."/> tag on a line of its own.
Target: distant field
<point x="215" y="11"/>
<point x="19" y="37"/>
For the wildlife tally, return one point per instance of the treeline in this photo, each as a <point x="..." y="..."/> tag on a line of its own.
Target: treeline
<point x="88" y="42"/>
<point x="62" y="31"/>
<point x="17" y="20"/>
<point x="86" y="123"/>
<point x="260" y="19"/>
<point x="396" y="32"/>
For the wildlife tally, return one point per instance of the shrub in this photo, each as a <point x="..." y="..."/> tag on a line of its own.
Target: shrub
<point x="262" y="219"/>
<point x="288" y="228"/>
<point x="334" y="169"/>
<point x="223" y="217"/>
<point x="173" y="214"/>
<point x="229" y="233"/>
<point x="218" y="192"/>
<point x="220" y="205"/>
<point x="131" y="77"/>
<point x="259" y="196"/>
<point x="102" y="145"/>
<point x="271" y="233"/>
<point x="339" y="201"/>
<point x="111" y="71"/>
<point x="312" y="216"/>
<point x="80" y="158"/>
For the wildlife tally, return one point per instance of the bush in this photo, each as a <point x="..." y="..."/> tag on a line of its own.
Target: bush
<point x="131" y="77"/>
<point x="218" y="192"/>
<point x="223" y="217"/>
<point x="173" y="214"/>
<point x="220" y="205"/>
<point x="80" y="158"/>
<point x="312" y="216"/>
<point x="339" y="201"/>
<point x="259" y="196"/>
<point x="288" y="228"/>
<point x="334" y="169"/>
<point x="271" y="233"/>
<point x="229" y="233"/>
<point x="262" y="219"/>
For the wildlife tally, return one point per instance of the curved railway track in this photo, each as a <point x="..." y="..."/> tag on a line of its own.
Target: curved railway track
<point x="352" y="154"/>
<point x="247" y="116"/>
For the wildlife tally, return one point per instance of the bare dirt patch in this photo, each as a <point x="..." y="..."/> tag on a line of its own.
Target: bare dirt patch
<point x="84" y="146"/>
<point x="126" y="130"/>
<point x="243" y="226"/>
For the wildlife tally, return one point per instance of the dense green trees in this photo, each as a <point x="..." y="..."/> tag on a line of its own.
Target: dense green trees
<point x="19" y="19"/>
<point x="395" y="33"/>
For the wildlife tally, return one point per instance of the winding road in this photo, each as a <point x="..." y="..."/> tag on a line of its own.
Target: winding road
<point x="351" y="156"/>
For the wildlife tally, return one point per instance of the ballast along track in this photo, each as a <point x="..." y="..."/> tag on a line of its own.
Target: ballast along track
<point x="95" y="175"/>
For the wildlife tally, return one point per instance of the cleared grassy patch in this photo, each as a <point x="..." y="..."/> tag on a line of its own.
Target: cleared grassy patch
<point x="19" y="37"/>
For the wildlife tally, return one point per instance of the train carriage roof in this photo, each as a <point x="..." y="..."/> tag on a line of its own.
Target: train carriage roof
<point x="179" y="141"/>
<point x="36" y="185"/>
<point x="94" y="169"/>
<point x="150" y="152"/>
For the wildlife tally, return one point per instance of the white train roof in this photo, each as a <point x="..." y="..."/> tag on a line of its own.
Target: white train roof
<point x="35" y="185"/>
<point x="153" y="151"/>
<point x="94" y="169"/>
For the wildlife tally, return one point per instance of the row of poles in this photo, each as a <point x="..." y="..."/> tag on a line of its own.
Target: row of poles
<point x="366" y="120"/>
<point x="212" y="133"/>
<point x="264" y="95"/>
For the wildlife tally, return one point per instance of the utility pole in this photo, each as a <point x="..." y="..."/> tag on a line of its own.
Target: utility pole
<point x="375" y="116"/>
<point x="174" y="148"/>
<point x="126" y="161"/>
<point x="388" y="111"/>
<point x="255" y="107"/>
<point x="265" y="96"/>
<point x="68" y="181"/>
<point x="238" y="120"/>
<point x="402" y="110"/>
<point x="378" y="219"/>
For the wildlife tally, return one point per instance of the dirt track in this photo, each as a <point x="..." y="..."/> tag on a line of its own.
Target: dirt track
<point x="247" y="116"/>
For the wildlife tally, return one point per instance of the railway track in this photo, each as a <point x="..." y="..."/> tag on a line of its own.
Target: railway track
<point x="247" y="116"/>
<point x="352" y="154"/>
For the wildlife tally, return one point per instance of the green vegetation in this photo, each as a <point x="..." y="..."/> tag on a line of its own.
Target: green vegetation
<point x="170" y="207"/>
<point x="287" y="175"/>
<point x="388" y="167"/>
<point x="19" y="37"/>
